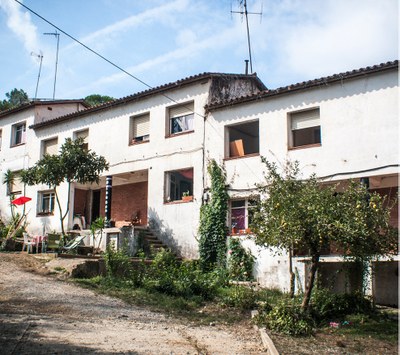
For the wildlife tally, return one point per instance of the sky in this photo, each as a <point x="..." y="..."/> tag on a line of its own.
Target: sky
<point x="161" y="41"/>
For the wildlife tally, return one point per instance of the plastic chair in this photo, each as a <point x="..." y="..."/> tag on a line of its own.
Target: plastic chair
<point x="29" y="243"/>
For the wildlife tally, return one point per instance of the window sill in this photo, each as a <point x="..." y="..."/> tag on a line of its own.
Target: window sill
<point x="314" y="145"/>
<point x="138" y="142"/>
<point x="179" y="134"/>
<point x="243" y="156"/>
<point x="44" y="214"/>
<point x="177" y="202"/>
<point x="17" y="145"/>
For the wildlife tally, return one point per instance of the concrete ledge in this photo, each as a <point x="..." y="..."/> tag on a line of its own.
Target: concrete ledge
<point x="266" y="340"/>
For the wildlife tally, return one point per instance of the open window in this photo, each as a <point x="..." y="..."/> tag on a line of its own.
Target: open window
<point x="305" y="128"/>
<point x="139" y="129"/>
<point x="181" y="118"/>
<point x="46" y="200"/>
<point x="179" y="185"/>
<point x="18" y="134"/>
<point x="243" y="139"/>
<point x="241" y="213"/>
<point x="50" y="146"/>
<point x="84" y="134"/>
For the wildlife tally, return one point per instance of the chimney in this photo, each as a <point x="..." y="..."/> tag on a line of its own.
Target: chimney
<point x="246" y="71"/>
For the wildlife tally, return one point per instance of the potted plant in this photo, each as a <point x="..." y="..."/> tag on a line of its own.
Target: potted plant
<point x="186" y="197"/>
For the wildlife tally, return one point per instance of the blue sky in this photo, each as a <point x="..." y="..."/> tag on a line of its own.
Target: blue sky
<point x="161" y="41"/>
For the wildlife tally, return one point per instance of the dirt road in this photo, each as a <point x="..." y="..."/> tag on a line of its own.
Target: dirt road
<point x="42" y="315"/>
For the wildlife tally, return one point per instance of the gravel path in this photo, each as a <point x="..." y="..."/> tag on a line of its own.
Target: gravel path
<point x="42" y="315"/>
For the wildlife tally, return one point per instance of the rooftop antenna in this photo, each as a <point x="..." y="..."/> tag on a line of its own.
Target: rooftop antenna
<point x="57" y="35"/>
<point x="243" y="11"/>
<point x="40" y="57"/>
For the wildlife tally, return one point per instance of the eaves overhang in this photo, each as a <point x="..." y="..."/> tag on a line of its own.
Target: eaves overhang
<point x="306" y="85"/>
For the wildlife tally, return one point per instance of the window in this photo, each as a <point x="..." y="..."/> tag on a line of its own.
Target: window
<point x="46" y="201"/>
<point x="50" y="146"/>
<point x="305" y="128"/>
<point x="85" y="136"/>
<point x="179" y="185"/>
<point x="243" y="139"/>
<point x="18" y="135"/>
<point x="140" y="129"/>
<point x="181" y="118"/>
<point x="241" y="212"/>
<point x="17" y="186"/>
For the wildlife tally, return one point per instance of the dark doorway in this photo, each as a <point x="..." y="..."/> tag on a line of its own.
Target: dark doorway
<point x="95" y="205"/>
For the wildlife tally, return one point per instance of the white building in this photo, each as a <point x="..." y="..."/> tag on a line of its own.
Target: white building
<point x="341" y="127"/>
<point x="158" y="143"/>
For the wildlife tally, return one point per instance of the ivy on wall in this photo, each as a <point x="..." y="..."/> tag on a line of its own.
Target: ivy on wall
<point x="213" y="229"/>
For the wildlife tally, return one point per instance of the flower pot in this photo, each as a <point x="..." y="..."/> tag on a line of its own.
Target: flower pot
<point x="187" y="198"/>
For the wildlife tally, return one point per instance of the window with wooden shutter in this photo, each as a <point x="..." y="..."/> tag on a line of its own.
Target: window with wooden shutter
<point x="181" y="118"/>
<point x="50" y="146"/>
<point x="16" y="187"/>
<point x="140" y="128"/>
<point x="305" y="128"/>
<point x="84" y="134"/>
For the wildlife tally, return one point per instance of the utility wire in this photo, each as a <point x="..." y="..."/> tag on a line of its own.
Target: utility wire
<point x="100" y="55"/>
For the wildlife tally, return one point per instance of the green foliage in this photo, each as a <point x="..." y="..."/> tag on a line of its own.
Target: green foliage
<point x="96" y="99"/>
<point x="117" y="263"/>
<point x="309" y="216"/>
<point x="212" y="230"/>
<point x="14" y="98"/>
<point x="241" y="297"/>
<point x="288" y="319"/>
<point x="72" y="164"/>
<point x="328" y="306"/>
<point x="240" y="261"/>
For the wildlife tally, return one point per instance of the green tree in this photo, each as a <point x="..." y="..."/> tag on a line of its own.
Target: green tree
<point x="212" y="230"/>
<point x="14" y="98"/>
<point x="309" y="216"/>
<point x="96" y="99"/>
<point x="74" y="164"/>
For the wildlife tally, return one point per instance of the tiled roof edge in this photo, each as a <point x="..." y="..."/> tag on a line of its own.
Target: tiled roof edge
<point x="33" y="103"/>
<point x="148" y="92"/>
<point x="305" y="85"/>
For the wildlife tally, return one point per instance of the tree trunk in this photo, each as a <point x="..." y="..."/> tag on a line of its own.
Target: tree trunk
<point x="310" y="281"/>
<point x="292" y="275"/>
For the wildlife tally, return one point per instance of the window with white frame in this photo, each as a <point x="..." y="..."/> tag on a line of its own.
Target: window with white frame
<point x="178" y="184"/>
<point x="16" y="186"/>
<point x="241" y="213"/>
<point x="140" y="128"/>
<point x="243" y="139"/>
<point x="305" y="128"/>
<point x="50" y="146"/>
<point x="84" y="134"/>
<point x="46" y="200"/>
<point x="18" y="134"/>
<point x="181" y="118"/>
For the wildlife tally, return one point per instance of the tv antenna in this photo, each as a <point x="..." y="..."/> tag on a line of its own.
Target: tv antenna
<point x="57" y="35"/>
<point x="243" y="11"/>
<point x="40" y="57"/>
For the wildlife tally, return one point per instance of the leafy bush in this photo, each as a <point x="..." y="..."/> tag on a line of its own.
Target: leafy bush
<point x="288" y="319"/>
<point x="241" y="297"/>
<point x="326" y="305"/>
<point x="117" y="262"/>
<point x="240" y="262"/>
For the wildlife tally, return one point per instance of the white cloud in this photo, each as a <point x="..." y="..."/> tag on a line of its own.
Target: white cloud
<point x="20" y="23"/>
<point x="342" y="35"/>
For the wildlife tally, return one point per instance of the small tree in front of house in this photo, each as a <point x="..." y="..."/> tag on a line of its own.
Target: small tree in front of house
<point x="309" y="216"/>
<point x="73" y="164"/>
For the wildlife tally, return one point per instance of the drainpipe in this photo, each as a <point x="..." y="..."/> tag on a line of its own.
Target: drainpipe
<point x="108" y="200"/>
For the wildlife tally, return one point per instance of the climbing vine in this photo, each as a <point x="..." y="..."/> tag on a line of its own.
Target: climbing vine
<point x="213" y="230"/>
